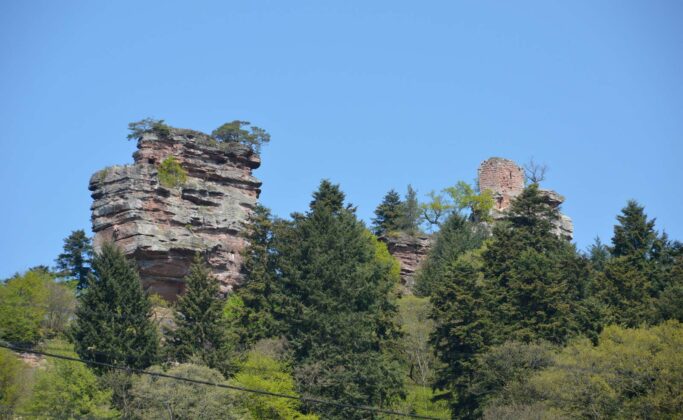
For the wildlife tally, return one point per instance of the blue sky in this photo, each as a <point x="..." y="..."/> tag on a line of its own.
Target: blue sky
<point x="370" y="94"/>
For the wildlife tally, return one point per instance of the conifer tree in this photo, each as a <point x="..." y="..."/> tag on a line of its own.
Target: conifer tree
<point x="626" y="287"/>
<point x="200" y="329"/>
<point x="328" y="196"/>
<point x="634" y="235"/>
<point x="75" y="261"/>
<point x="338" y="307"/>
<point x="457" y="236"/>
<point x="260" y="294"/>
<point x="411" y="212"/>
<point x="462" y="330"/>
<point x="389" y="215"/>
<point x="537" y="281"/>
<point x="113" y="322"/>
<point x="598" y="253"/>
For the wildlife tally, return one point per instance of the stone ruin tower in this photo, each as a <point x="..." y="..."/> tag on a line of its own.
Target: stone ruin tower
<point x="162" y="228"/>
<point x="505" y="179"/>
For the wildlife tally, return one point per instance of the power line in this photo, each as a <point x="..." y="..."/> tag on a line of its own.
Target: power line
<point x="219" y="385"/>
<point x="99" y="353"/>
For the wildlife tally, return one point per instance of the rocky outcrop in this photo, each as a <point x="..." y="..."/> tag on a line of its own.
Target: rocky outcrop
<point x="505" y="180"/>
<point x="161" y="227"/>
<point x="410" y="251"/>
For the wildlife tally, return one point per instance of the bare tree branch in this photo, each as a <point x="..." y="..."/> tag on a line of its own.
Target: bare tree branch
<point x="535" y="172"/>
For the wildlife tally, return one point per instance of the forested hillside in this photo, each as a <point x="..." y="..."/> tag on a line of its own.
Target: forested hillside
<point x="506" y="319"/>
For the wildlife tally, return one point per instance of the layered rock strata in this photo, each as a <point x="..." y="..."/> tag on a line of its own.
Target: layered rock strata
<point x="505" y="180"/>
<point x="162" y="228"/>
<point x="410" y="251"/>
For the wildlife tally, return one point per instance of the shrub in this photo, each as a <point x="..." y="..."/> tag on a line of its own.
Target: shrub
<point x="631" y="373"/>
<point x="171" y="174"/>
<point x="68" y="389"/>
<point x="154" y="397"/>
<point x="263" y="372"/>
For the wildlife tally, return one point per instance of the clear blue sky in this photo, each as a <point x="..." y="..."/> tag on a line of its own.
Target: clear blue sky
<point x="370" y="94"/>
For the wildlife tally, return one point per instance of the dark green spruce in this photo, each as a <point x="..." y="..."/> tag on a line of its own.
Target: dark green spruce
<point x="337" y="307"/>
<point x="113" y="322"/>
<point x="200" y="328"/>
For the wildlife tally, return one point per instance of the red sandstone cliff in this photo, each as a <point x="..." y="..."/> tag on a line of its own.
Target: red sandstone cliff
<point x="162" y="228"/>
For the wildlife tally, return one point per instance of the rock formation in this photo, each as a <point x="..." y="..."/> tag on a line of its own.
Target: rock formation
<point x="410" y="251"/>
<point x="162" y="228"/>
<point x="505" y="180"/>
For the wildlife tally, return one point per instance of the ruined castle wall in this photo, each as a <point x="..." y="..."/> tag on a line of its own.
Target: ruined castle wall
<point x="503" y="178"/>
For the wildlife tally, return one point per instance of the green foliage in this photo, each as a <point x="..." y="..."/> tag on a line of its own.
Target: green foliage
<point x="330" y="287"/>
<point x="147" y="125"/>
<point x="461" y="199"/>
<point x="538" y="282"/>
<point x="171" y="173"/>
<point x="416" y="327"/>
<point x="632" y="373"/>
<point x="634" y="235"/>
<point x="11" y="386"/>
<point x="436" y="209"/>
<point x="670" y="302"/>
<point x="60" y="308"/>
<point x="261" y="371"/>
<point x="641" y="282"/>
<point x="33" y="306"/>
<point x="200" y="328"/>
<point x="113" y="319"/>
<point x="160" y="398"/>
<point x="23" y="307"/>
<point x="462" y="330"/>
<point x="236" y="132"/>
<point x="598" y="253"/>
<point x="328" y="198"/>
<point x="423" y="401"/>
<point x="251" y="311"/>
<point x="503" y="373"/>
<point x="411" y="212"/>
<point x="74" y="262"/>
<point x="465" y="197"/>
<point x="389" y="215"/>
<point x="68" y="390"/>
<point x="457" y="236"/>
<point x="625" y="292"/>
<point x="384" y="259"/>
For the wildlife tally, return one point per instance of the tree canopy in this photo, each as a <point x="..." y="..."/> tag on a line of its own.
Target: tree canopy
<point x="242" y="132"/>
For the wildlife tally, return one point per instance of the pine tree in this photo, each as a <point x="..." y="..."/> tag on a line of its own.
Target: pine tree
<point x="328" y="196"/>
<point x="598" y="254"/>
<point x="457" y="236"/>
<point x="338" y="307"/>
<point x="462" y="330"/>
<point x="626" y="292"/>
<point x="537" y="281"/>
<point x="200" y="329"/>
<point x="75" y="261"/>
<point x="113" y="322"/>
<point x="260" y="294"/>
<point x="389" y="215"/>
<point x="632" y="278"/>
<point x="634" y="236"/>
<point x="411" y="212"/>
